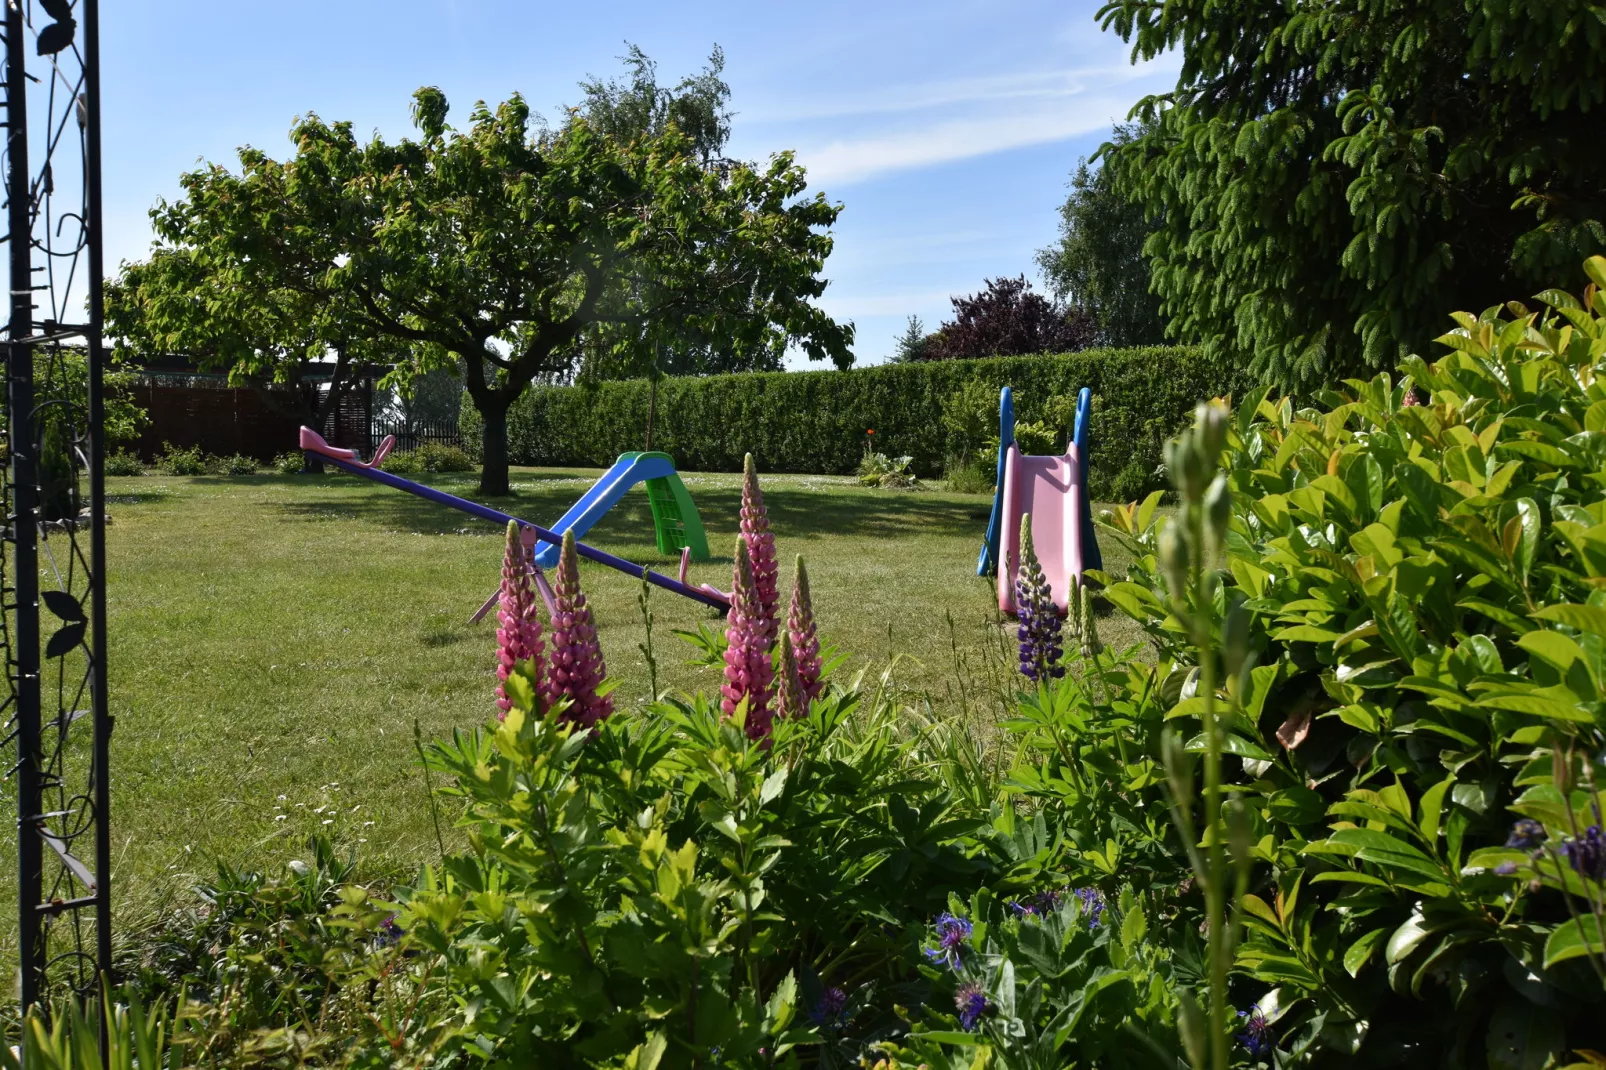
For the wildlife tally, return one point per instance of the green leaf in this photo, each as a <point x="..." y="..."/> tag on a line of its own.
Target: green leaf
<point x="1360" y="952"/>
<point x="1576" y="938"/>
<point x="1552" y="648"/>
<point x="1381" y="849"/>
<point x="1523" y="1036"/>
<point x="1406" y="939"/>
<point x="1231" y="743"/>
<point x="1584" y="618"/>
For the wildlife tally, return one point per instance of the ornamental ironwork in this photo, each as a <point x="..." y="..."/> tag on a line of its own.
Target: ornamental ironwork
<point x="54" y="724"/>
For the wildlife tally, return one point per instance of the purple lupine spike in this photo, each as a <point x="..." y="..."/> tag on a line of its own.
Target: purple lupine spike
<point x="805" y="641"/>
<point x="748" y="671"/>
<point x="790" y="700"/>
<point x="518" y="640"/>
<point x="1039" y="630"/>
<point x="575" y="668"/>
<point x="760" y="553"/>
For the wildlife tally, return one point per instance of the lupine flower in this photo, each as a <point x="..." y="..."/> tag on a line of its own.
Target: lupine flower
<point x="576" y="667"/>
<point x="800" y="626"/>
<point x="761" y="553"/>
<point x="952" y="932"/>
<point x="1039" y="630"/>
<point x="1587" y="853"/>
<point x="1526" y="834"/>
<point x="833" y="1001"/>
<point x="748" y="671"/>
<point x="1256" y="1037"/>
<point x="1092" y="905"/>
<point x="972" y="1003"/>
<point x="1410" y="400"/>
<point x="518" y="640"/>
<point x="789" y="699"/>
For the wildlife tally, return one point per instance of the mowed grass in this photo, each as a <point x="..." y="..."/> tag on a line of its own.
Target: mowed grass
<point x="274" y="641"/>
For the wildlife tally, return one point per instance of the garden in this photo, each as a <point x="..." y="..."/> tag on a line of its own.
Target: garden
<point x="1201" y="665"/>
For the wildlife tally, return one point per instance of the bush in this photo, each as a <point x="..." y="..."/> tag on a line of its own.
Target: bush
<point x="438" y="457"/>
<point x="969" y="475"/>
<point x="237" y="465"/>
<point x="291" y="463"/>
<point x="815" y="421"/>
<point x="124" y="463"/>
<point x="173" y="461"/>
<point x="879" y="470"/>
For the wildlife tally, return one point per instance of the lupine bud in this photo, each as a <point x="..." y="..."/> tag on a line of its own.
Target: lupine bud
<point x="789" y="698"/>
<point x="1039" y="622"/>
<point x="748" y="671"/>
<point x="577" y="670"/>
<point x="805" y="641"/>
<point x="755" y="527"/>
<point x="1211" y="421"/>
<point x="1217" y="514"/>
<point x="1235" y="637"/>
<point x="1091" y="646"/>
<point x="1174" y="558"/>
<point x="518" y="640"/>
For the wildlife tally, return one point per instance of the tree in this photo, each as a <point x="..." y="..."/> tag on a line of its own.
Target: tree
<point x="239" y="282"/>
<point x="1008" y="319"/>
<point x="1327" y="178"/>
<point x="1098" y="266"/>
<point x="499" y="251"/>
<point x="639" y="108"/>
<point x="913" y="344"/>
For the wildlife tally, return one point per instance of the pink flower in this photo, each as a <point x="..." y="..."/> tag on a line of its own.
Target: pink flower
<point x="800" y="628"/>
<point x="518" y="640"/>
<point x="761" y="553"/>
<point x="576" y="669"/>
<point x="748" y="672"/>
<point x="789" y="698"/>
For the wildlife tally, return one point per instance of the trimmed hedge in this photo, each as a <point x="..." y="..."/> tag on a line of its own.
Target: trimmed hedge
<point x="815" y="422"/>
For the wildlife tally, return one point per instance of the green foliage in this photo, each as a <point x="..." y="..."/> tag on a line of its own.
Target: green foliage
<point x="430" y="457"/>
<point x="1098" y="265"/>
<point x="173" y="461"/>
<point x="815" y="421"/>
<point x="1404" y="603"/>
<point x="289" y="464"/>
<point x="968" y="475"/>
<point x="237" y="465"/>
<point x="1327" y="178"/>
<point x="124" y="463"/>
<point x="879" y="470"/>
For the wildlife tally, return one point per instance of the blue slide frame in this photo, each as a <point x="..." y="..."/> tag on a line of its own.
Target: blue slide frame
<point x="626" y="472"/>
<point x="987" y="563"/>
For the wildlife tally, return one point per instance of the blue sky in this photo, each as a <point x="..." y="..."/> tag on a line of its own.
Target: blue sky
<point x="947" y="129"/>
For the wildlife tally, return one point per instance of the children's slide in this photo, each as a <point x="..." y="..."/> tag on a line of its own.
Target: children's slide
<point x="674" y="516"/>
<point x="1053" y="492"/>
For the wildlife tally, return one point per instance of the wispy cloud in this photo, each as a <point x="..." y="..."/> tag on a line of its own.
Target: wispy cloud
<point x="913" y="126"/>
<point x="852" y="306"/>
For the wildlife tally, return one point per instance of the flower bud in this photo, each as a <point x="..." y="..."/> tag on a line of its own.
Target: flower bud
<point x="1174" y="559"/>
<point x="1235" y="638"/>
<point x="1211" y="421"/>
<point x="1217" y="514"/>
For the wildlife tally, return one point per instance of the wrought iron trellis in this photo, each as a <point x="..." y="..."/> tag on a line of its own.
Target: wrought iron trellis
<point x="53" y="717"/>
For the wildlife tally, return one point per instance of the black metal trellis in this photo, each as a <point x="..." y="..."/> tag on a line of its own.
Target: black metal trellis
<point x="54" y="722"/>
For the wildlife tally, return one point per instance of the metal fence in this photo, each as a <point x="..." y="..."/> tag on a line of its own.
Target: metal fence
<point x="410" y="436"/>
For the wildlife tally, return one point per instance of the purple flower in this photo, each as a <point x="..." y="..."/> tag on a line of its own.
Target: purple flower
<point x="790" y="699"/>
<point x="1256" y="1037"/>
<point x="1587" y="853"/>
<point x="749" y="673"/>
<point x="1092" y="905"/>
<point x="952" y="932"/>
<point x="576" y="669"/>
<point x="972" y="1003"/>
<point x="1526" y="835"/>
<point x="805" y="641"/>
<point x="1505" y="869"/>
<point x="518" y="640"/>
<point x="390" y="933"/>
<point x="1037" y="904"/>
<point x="1039" y="630"/>
<point x="755" y="527"/>
<point x="833" y="1001"/>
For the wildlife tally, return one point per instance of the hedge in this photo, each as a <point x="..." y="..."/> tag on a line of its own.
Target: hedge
<point x="815" y="422"/>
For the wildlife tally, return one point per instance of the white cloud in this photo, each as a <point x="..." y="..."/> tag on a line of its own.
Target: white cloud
<point x="885" y="304"/>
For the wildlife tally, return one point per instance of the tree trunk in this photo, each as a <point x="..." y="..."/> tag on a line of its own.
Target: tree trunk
<point x="493" y="458"/>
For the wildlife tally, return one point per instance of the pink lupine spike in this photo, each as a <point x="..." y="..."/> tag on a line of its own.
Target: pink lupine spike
<point x="518" y="640"/>
<point x="790" y="701"/>
<point x="748" y="671"/>
<point x="575" y="669"/>
<point x="761" y="552"/>
<point x="800" y="628"/>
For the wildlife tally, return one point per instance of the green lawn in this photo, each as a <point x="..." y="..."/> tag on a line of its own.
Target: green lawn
<point x="275" y="639"/>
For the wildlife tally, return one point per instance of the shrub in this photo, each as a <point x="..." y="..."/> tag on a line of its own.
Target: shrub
<point x="879" y="470"/>
<point x="439" y="457"/>
<point x="815" y="421"/>
<point x="124" y="463"/>
<point x="403" y="463"/>
<point x="237" y="465"/>
<point x="173" y="461"/>
<point x="289" y="464"/>
<point x="1406" y="652"/>
<point x="969" y="475"/>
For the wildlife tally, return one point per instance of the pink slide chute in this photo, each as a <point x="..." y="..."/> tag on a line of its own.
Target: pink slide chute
<point x="1050" y="490"/>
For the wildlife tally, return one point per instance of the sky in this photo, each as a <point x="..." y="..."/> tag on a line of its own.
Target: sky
<point x="947" y="130"/>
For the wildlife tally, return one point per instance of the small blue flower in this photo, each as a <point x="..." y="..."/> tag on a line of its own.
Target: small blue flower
<point x="952" y="932"/>
<point x="1526" y="835"/>
<point x="1092" y="905"/>
<point x="831" y="1004"/>
<point x="1505" y="869"/>
<point x="972" y="1003"/>
<point x="390" y="933"/>
<point x="1256" y="1037"/>
<point x="1036" y="904"/>
<point x="1587" y="853"/>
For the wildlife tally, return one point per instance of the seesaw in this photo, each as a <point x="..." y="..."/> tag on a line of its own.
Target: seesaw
<point x="348" y="461"/>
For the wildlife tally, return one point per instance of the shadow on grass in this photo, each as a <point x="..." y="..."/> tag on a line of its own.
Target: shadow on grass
<point x="792" y="511"/>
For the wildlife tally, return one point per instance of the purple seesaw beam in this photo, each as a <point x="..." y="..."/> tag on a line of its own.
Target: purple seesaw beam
<point x="346" y="460"/>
